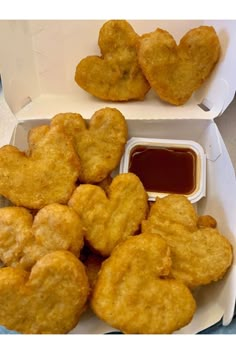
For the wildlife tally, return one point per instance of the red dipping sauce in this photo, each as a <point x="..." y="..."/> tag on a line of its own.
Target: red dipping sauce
<point x="164" y="169"/>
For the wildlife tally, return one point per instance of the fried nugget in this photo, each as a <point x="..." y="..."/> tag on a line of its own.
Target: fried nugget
<point x="46" y="175"/>
<point x="115" y="75"/>
<point x="109" y="219"/>
<point x="206" y="221"/>
<point x="175" y="72"/>
<point x="174" y="209"/>
<point x="200" y="254"/>
<point x="133" y="292"/>
<point x="24" y="239"/>
<point x="99" y="146"/>
<point x="49" y="299"/>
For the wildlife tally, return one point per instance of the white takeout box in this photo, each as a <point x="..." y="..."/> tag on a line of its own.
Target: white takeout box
<point x="37" y="65"/>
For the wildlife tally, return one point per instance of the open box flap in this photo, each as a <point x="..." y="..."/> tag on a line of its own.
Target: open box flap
<point x="226" y="31"/>
<point x="17" y="65"/>
<point x="7" y="122"/>
<point x="39" y="58"/>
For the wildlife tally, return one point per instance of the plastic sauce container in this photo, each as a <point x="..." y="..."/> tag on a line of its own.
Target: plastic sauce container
<point x="167" y="166"/>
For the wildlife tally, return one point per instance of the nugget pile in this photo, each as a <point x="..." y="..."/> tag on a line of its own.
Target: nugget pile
<point x="43" y="283"/>
<point x="131" y="64"/>
<point x="75" y="237"/>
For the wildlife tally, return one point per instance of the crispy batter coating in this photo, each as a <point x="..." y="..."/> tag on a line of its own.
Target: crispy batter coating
<point x="200" y="254"/>
<point x="133" y="292"/>
<point x="49" y="299"/>
<point x="24" y="239"/>
<point x="99" y="146"/>
<point x="174" y="209"/>
<point x="110" y="219"/>
<point x="206" y="221"/>
<point x="47" y="175"/>
<point x="175" y="72"/>
<point x="115" y="75"/>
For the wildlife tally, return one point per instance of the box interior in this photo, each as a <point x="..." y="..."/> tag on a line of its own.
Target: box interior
<point x="215" y="301"/>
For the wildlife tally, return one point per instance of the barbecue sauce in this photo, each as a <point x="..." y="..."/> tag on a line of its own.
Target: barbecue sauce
<point x="164" y="170"/>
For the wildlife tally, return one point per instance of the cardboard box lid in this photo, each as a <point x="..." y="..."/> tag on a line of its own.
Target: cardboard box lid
<point x="38" y="61"/>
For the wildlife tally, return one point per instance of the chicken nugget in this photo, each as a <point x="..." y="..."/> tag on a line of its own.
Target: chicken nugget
<point x="24" y="239"/>
<point x="15" y="234"/>
<point x="116" y="74"/>
<point x="174" y="209"/>
<point x="200" y="255"/>
<point x="99" y="146"/>
<point x="46" y="175"/>
<point x="133" y="292"/>
<point x="175" y="72"/>
<point x="49" y="299"/>
<point x="109" y="219"/>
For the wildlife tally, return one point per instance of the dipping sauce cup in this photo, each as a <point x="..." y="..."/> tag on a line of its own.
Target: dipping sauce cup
<point x="167" y="166"/>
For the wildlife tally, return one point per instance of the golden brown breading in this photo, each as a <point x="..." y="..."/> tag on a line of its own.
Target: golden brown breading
<point x="24" y="240"/>
<point x="133" y="292"/>
<point x="115" y="75"/>
<point x="47" y="175"/>
<point x="173" y="209"/>
<point x="50" y="299"/>
<point x="15" y="234"/>
<point x="206" y="221"/>
<point x="110" y="219"/>
<point x="99" y="146"/>
<point x="200" y="255"/>
<point x="175" y="72"/>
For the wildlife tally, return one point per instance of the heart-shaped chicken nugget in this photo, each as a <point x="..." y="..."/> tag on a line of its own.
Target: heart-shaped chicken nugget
<point x="133" y="292"/>
<point x="200" y="254"/>
<point x="175" y="72"/>
<point x="47" y="174"/>
<point x="24" y="239"/>
<point x="115" y="75"/>
<point x="49" y="299"/>
<point x="99" y="145"/>
<point x="110" y="219"/>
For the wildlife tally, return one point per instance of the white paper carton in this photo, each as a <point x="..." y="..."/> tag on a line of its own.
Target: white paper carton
<point x="37" y="65"/>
